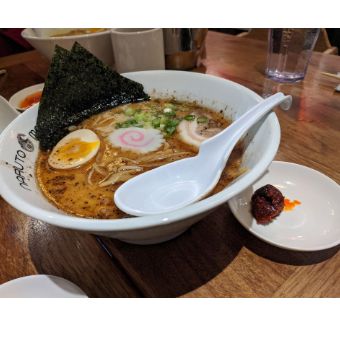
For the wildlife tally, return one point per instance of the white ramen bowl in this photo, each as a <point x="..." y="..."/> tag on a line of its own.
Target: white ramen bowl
<point x="98" y="43"/>
<point x="19" y="150"/>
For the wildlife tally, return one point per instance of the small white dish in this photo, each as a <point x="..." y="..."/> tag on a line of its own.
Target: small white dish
<point x="40" y="286"/>
<point x="19" y="96"/>
<point x="313" y="225"/>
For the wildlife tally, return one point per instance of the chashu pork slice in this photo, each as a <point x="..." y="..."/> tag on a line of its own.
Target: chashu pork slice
<point x="193" y="133"/>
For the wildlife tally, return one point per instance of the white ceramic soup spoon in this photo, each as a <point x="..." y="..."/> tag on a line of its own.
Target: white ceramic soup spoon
<point x="178" y="184"/>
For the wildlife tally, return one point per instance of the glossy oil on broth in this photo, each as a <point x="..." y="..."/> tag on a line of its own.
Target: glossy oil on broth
<point x="86" y="191"/>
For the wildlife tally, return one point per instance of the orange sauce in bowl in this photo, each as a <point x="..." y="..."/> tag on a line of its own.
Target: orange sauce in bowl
<point x="30" y="100"/>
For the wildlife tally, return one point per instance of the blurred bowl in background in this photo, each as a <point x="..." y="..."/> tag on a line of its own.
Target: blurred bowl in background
<point x="44" y="40"/>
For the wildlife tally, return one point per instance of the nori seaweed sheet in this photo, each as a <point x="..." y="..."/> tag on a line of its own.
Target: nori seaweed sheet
<point x="78" y="86"/>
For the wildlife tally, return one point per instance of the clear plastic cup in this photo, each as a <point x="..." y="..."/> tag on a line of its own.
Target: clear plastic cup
<point x="289" y="52"/>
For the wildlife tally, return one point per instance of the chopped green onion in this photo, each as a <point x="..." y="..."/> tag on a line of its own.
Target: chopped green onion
<point x="129" y="123"/>
<point x="129" y="111"/>
<point x="189" y="117"/>
<point x="171" y="125"/>
<point x="139" y="117"/>
<point x="156" y="122"/>
<point x="169" y="112"/>
<point x="172" y="122"/>
<point x="164" y="119"/>
<point x="170" y="129"/>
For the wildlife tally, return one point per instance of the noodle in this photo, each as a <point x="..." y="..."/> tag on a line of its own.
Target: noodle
<point x="118" y="177"/>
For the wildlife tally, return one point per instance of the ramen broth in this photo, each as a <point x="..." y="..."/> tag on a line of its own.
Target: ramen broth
<point x="86" y="191"/>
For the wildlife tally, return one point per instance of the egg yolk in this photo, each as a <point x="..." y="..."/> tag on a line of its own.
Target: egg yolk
<point x="75" y="149"/>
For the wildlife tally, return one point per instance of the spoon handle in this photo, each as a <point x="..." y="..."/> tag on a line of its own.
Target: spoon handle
<point x="227" y="139"/>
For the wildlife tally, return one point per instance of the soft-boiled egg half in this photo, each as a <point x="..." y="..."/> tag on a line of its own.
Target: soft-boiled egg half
<point x="75" y="149"/>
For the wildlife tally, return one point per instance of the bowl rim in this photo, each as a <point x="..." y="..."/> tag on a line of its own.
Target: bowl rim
<point x="25" y="35"/>
<point x="146" y="222"/>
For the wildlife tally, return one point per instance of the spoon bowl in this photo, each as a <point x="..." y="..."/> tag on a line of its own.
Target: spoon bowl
<point x="178" y="184"/>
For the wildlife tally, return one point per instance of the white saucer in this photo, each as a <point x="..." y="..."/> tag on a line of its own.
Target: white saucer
<point x="313" y="225"/>
<point x="17" y="97"/>
<point x="40" y="286"/>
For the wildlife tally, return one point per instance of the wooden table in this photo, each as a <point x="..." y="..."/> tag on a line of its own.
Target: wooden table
<point x="217" y="257"/>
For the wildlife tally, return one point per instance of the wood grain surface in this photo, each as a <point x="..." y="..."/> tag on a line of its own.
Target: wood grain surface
<point x="217" y="257"/>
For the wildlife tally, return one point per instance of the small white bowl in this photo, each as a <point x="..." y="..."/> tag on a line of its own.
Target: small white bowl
<point x="19" y="148"/>
<point x="40" y="286"/>
<point x="98" y="43"/>
<point x="19" y="96"/>
<point x="312" y="225"/>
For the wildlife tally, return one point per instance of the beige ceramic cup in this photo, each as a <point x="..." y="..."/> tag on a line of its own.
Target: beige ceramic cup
<point x="138" y="49"/>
